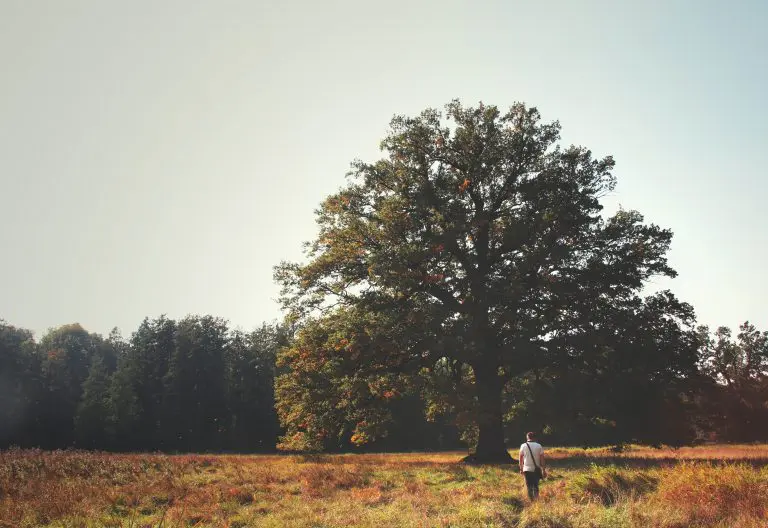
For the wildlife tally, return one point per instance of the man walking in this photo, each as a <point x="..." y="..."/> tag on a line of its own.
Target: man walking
<point x="532" y="464"/>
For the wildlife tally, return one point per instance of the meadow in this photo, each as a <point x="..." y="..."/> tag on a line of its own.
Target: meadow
<point x="720" y="486"/>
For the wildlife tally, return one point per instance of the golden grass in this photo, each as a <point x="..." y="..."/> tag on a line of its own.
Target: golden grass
<point x="722" y="486"/>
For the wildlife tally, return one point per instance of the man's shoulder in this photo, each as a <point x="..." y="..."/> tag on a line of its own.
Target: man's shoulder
<point x="533" y="445"/>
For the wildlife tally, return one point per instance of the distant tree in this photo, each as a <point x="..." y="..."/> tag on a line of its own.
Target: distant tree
<point x="736" y="400"/>
<point x="124" y="412"/>
<point x="195" y="395"/>
<point x="138" y="390"/>
<point x="630" y="379"/>
<point x="92" y="418"/>
<point x="66" y="354"/>
<point x="20" y="389"/>
<point x="468" y="258"/>
<point x="250" y="375"/>
<point x="187" y="385"/>
<point x="734" y="363"/>
<point x="118" y="349"/>
<point x="193" y="385"/>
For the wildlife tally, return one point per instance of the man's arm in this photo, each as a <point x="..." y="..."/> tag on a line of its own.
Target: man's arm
<point x="522" y="461"/>
<point x="541" y="461"/>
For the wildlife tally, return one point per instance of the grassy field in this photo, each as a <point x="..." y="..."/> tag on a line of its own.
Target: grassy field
<point x="725" y="486"/>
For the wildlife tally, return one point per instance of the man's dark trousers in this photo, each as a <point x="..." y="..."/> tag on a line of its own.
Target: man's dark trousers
<point x="532" y="483"/>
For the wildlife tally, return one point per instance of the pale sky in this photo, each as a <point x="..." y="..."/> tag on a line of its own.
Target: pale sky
<point x="162" y="156"/>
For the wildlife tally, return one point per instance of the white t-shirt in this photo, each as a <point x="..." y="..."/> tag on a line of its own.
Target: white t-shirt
<point x="527" y="461"/>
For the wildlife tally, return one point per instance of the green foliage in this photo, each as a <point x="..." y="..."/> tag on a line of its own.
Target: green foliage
<point x="66" y="355"/>
<point x="353" y="390"/>
<point x="470" y="264"/>
<point x="187" y="385"/>
<point x="733" y="397"/>
<point x="249" y="380"/>
<point x="195" y="381"/>
<point x="20" y="387"/>
<point x="93" y="410"/>
<point x="124" y="411"/>
<point x="151" y="347"/>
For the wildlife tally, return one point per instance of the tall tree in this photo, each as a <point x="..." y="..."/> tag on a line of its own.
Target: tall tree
<point x="92" y="417"/>
<point x="627" y="376"/>
<point x="475" y="246"/>
<point x="138" y="390"/>
<point x="124" y="412"/>
<point x="195" y="396"/>
<point x="66" y="354"/>
<point x="736" y="400"/>
<point x="250" y="377"/>
<point x="19" y="385"/>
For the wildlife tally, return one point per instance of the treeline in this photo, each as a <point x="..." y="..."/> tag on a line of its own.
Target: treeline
<point x="187" y="385"/>
<point x="197" y="385"/>
<point x="732" y="395"/>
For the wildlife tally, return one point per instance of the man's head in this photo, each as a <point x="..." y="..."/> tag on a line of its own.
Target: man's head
<point x="531" y="436"/>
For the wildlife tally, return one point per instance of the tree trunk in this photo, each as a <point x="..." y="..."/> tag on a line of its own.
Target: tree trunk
<point x="490" y="446"/>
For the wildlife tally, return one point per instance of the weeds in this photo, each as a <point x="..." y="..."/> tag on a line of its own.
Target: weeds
<point x="710" y="494"/>
<point x="610" y="485"/>
<point x="599" y="488"/>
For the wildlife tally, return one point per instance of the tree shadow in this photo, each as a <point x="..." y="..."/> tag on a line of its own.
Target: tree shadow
<point x="639" y="462"/>
<point x="515" y="503"/>
<point x="573" y="461"/>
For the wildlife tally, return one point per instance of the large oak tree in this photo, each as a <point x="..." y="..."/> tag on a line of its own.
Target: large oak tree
<point x="470" y="256"/>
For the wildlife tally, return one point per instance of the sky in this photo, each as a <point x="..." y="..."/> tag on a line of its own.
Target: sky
<point x="160" y="157"/>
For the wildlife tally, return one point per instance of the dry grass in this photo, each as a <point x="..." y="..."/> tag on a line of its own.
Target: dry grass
<point x="723" y="486"/>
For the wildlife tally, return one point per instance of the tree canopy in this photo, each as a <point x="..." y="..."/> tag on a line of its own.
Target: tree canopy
<point x="471" y="265"/>
<point x="735" y="382"/>
<point x="187" y="385"/>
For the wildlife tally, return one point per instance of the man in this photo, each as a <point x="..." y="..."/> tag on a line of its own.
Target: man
<point x="532" y="464"/>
